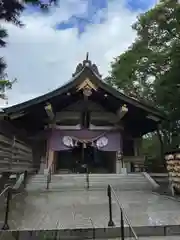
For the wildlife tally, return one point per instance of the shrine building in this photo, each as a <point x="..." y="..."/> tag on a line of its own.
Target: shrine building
<point x="84" y="124"/>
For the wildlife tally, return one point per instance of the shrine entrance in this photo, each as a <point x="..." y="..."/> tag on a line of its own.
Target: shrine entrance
<point x="80" y="160"/>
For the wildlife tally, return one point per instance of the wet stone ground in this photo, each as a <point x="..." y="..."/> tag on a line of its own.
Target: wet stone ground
<point x="87" y="209"/>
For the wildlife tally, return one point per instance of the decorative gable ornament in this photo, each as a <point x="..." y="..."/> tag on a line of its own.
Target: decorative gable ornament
<point x="89" y="64"/>
<point x="87" y="92"/>
<point x="87" y="86"/>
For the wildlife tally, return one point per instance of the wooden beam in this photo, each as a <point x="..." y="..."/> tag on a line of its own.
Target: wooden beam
<point x="49" y="111"/>
<point x="115" y="127"/>
<point x="104" y="116"/>
<point x="91" y="127"/>
<point x="16" y="115"/>
<point x="64" y="127"/>
<point x="156" y="119"/>
<point x="67" y="115"/>
<point x="94" y="116"/>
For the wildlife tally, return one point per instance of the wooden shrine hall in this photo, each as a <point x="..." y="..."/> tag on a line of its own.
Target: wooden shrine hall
<point x="83" y="124"/>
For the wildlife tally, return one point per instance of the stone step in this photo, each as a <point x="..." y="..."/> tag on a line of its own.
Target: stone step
<point x="90" y="180"/>
<point x="79" y="177"/>
<point x="96" y="181"/>
<point x="144" y="238"/>
<point x="94" y="175"/>
<point x="80" y="188"/>
<point x="102" y="179"/>
<point x="85" y="234"/>
<point x="99" y="175"/>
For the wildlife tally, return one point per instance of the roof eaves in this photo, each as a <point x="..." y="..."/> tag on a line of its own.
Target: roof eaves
<point x="130" y="100"/>
<point x="44" y="97"/>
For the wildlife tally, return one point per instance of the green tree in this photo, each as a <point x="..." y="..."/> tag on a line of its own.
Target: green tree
<point x="149" y="69"/>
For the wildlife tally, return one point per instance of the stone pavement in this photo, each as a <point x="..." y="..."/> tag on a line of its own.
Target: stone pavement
<point x="160" y="238"/>
<point x="149" y="238"/>
<point x="82" y="209"/>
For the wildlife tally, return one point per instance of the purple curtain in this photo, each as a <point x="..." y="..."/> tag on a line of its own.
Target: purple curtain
<point x="56" y="143"/>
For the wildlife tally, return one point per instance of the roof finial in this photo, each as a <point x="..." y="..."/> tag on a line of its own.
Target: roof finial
<point x="87" y="56"/>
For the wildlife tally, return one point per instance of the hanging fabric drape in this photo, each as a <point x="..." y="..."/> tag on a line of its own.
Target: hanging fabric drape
<point x="105" y="141"/>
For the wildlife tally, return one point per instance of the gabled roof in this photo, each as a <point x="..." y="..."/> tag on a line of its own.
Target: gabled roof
<point x="74" y="81"/>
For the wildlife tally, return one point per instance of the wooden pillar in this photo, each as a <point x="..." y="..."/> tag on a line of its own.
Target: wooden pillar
<point x="49" y="156"/>
<point x="54" y="163"/>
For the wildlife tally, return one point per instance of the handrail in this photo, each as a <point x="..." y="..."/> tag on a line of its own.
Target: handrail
<point x="8" y="189"/>
<point x="5" y="189"/>
<point x="124" y="212"/>
<point x="14" y="186"/>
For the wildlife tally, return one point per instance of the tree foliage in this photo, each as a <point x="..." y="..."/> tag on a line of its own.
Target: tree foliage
<point x="149" y="69"/>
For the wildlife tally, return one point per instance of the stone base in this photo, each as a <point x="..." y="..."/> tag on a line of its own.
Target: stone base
<point x="124" y="170"/>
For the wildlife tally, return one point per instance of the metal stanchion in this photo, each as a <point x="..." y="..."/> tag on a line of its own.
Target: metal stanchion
<point x="25" y="178"/>
<point x="87" y="177"/>
<point x="48" y="179"/>
<point x="47" y="185"/>
<point x="6" y="225"/>
<point x="122" y="226"/>
<point x="110" y="223"/>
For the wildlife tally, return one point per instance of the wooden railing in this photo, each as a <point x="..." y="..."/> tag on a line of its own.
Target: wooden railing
<point x="15" y="155"/>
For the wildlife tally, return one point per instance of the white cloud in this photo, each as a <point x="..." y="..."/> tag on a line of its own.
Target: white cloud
<point x="43" y="59"/>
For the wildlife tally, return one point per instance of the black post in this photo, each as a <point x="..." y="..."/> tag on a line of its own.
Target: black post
<point x="6" y="226"/>
<point x="122" y="225"/>
<point x="87" y="176"/>
<point x="110" y="223"/>
<point x="25" y="178"/>
<point x="47" y="186"/>
<point x="50" y="175"/>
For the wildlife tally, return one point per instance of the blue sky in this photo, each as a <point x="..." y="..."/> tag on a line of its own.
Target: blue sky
<point x="51" y="45"/>
<point x="88" y="17"/>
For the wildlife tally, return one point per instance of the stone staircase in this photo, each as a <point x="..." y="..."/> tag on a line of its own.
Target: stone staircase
<point x="81" y="210"/>
<point x="136" y="181"/>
